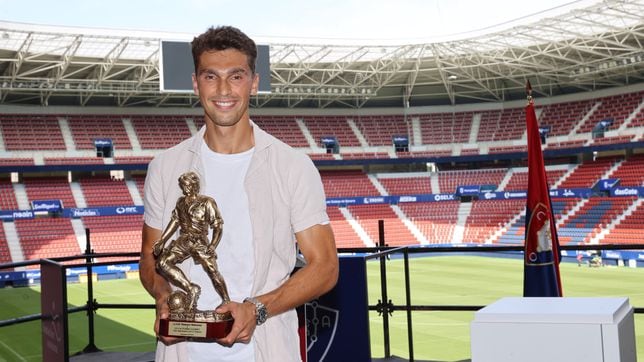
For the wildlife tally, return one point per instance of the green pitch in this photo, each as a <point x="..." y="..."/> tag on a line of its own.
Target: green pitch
<point x="438" y="336"/>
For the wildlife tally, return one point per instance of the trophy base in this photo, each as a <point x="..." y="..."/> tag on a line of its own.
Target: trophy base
<point x="195" y="329"/>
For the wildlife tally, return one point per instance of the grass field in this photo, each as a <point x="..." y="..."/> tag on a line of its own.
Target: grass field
<point x="438" y="336"/>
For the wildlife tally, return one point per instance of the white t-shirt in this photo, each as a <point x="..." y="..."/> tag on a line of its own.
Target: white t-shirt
<point x="224" y="182"/>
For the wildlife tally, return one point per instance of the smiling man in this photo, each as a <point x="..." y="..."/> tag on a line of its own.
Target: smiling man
<point x="271" y="200"/>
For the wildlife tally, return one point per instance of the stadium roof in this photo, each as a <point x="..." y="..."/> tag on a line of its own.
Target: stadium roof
<point x="586" y="49"/>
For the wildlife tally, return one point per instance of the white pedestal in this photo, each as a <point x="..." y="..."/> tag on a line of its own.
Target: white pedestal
<point x="554" y="329"/>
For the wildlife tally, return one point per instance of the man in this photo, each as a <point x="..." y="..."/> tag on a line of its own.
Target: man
<point x="269" y="196"/>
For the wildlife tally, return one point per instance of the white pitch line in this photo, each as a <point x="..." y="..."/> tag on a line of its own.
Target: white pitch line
<point x="12" y="351"/>
<point x="33" y="357"/>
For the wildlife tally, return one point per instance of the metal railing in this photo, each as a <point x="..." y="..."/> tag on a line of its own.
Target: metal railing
<point x="385" y="307"/>
<point x="91" y="305"/>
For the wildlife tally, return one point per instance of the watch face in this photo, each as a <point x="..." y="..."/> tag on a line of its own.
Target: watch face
<point x="262" y="314"/>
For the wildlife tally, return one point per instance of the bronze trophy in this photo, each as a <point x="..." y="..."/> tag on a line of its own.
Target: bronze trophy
<point x="193" y="215"/>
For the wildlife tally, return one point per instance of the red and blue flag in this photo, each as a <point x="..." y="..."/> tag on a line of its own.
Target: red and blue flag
<point x="541" y="276"/>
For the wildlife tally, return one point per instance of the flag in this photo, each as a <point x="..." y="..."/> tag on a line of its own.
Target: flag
<point x="541" y="251"/>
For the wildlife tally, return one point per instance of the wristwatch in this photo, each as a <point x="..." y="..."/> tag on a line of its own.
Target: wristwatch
<point x="261" y="314"/>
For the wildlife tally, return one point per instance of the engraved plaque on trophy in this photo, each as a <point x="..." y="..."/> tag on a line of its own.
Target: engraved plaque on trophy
<point x="194" y="215"/>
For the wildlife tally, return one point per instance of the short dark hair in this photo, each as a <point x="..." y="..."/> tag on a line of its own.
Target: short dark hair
<point x="222" y="38"/>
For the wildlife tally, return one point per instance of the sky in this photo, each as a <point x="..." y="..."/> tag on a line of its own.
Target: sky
<point x="386" y="20"/>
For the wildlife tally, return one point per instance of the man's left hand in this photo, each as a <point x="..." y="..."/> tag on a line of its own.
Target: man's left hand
<point x="244" y="325"/>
